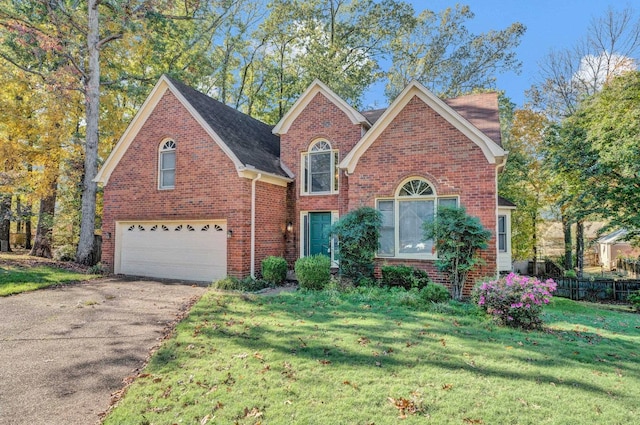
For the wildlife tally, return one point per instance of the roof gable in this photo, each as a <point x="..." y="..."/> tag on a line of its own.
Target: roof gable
<point x="492" y="151"/>
<point x="249" y="143"/>
<point x="305" y="98"/>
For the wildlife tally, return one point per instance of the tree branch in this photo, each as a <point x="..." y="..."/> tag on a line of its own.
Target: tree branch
<point x="107" y="40"/>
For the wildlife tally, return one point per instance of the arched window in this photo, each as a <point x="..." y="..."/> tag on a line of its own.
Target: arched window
<point x="167" y="165"/>
<point x="401" y="234"/>
<point x="320" y="169"/>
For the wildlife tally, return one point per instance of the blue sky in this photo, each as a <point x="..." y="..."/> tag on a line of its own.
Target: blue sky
<point x="551" y="24"/>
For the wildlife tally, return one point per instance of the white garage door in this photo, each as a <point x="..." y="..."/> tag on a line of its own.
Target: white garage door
<point x="188" y="250"/>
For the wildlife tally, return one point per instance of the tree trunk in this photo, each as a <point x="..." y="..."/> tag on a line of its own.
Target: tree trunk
<point x="580" y="247"/>
<point x="42" y="246"/>
<point x="5" y="223"/>
<point x="566" y="228"/>
<point x="84" y="254"/>
<point x="27" y="226"/>
<point x="535" y="245"/>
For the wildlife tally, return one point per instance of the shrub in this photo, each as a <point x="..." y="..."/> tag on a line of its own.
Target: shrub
<point x="247" y="284"/>
<point x="358" y="233"/>
<point x="634" y="299"/>
<point x="65" y="253"/>
<point x="515" y="300"/>
<point x="404" y="276"/>
<point x="457" y="237"/>
<point x="274" y="270"/>
<point x="313" y="272"/>
<point x="434" y="293"/>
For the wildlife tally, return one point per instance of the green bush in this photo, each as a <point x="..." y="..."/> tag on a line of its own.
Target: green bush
<point x="358" y="232"/>
<point x="246" y="284"/>
<point x="434" y="293"/>
<point x="274" y="270"/>
<point x="313" y="272"/>
<point x="404" y="276"/>
<point x="634" y="299"/>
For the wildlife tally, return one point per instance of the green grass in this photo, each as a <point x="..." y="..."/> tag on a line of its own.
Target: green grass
<point x="360" y="358"/>
<point x="17" y="279"/>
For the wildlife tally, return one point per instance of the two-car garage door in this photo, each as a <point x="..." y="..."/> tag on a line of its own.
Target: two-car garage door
<point x="187" y="250"/>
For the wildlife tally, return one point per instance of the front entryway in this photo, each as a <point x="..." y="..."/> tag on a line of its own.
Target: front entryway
<point x="319" y="233"/>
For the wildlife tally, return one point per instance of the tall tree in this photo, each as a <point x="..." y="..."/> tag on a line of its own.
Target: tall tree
<point x="525" y="180"/>
<point x="439" y="51"/>
<point x="608" y="122"/>
<point x="568" y="77"/>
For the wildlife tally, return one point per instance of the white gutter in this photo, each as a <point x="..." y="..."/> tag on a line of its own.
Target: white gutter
<point x="253" y="225"/>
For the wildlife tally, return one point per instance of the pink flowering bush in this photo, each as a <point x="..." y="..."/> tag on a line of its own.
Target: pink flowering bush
<point x="515" y="300"/>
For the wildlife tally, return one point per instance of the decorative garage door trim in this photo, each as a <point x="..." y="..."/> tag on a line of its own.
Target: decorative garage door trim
<point x="172" y="249"/>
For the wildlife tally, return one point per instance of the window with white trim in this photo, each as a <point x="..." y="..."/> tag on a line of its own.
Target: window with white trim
<point x="320" y="169"/>
<point x="502" y="233"/>
<point x="401" y="234"/>
<point x="167" y="165"/>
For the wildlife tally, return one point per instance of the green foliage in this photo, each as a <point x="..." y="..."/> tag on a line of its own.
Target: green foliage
<point x="358" y="233"/>
<point x="313" y="272"/>
<point x="404" y="276"/>
<point x="457" y="237"/>
<point x="247" y="284"/>
<point x="274" y="270"/>
<point x="438" y="50"/>
<point x="634" y="299"/>
<point x="434" y="293"/>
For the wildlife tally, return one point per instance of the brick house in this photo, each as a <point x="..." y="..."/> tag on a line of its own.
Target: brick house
<point x="197" y="190"/>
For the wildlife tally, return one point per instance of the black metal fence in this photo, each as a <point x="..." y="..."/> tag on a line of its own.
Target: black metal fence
<point x="595" y="290"/>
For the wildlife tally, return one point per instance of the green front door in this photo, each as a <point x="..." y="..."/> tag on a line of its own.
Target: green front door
<point x="319" y="233"/>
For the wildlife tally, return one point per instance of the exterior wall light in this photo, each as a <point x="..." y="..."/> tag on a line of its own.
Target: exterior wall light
<point x="229" y="233"/>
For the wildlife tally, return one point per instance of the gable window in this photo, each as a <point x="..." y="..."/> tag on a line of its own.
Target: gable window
<point x="167" y="165"/>
<point x="401" y="233"/>
<point x="502" y="233"/>
<point x="320" y="169"/>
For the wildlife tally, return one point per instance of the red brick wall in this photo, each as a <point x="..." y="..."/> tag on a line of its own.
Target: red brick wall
<point x="320" y="119"/>
<point x="271" y="222"/>
<point x="207" y="186"/>
<point x="419" y="142"/>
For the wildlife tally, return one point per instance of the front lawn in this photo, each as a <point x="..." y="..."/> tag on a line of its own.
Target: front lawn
<point x="368" y="358"/>
<point x="21" y="273"/>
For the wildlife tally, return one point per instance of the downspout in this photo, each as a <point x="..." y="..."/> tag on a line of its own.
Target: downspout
<point x="253" y="225"/>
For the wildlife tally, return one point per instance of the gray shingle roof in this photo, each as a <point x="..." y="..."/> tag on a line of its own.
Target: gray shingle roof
<point x="250" y="140"/>
<point x="504" y="202"/>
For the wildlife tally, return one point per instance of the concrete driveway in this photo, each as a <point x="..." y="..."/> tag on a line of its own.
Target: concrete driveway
<point x="65" y="351"/>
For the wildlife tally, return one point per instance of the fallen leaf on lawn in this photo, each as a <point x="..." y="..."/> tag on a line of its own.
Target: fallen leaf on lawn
<point x="324" y="362"/>
<point x="258" y="356"/>
<point x="455" y="323"/>
<point x="265" y="369"/>
<point x="363" y="340"/>
<point x="472" y="421"/>
<point x="508" y="347"/>
<point x="378" y="364"/>
<point x="443" y="342"/>
<point x="241" y="356"/>
<point x="447" y="387"/>
<point x="404" y="406"/>
<point x="253" y="413"/>
<point x="156" y="380"/>
<point x="287" y="402"/>
<point x="205" y="420"/>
